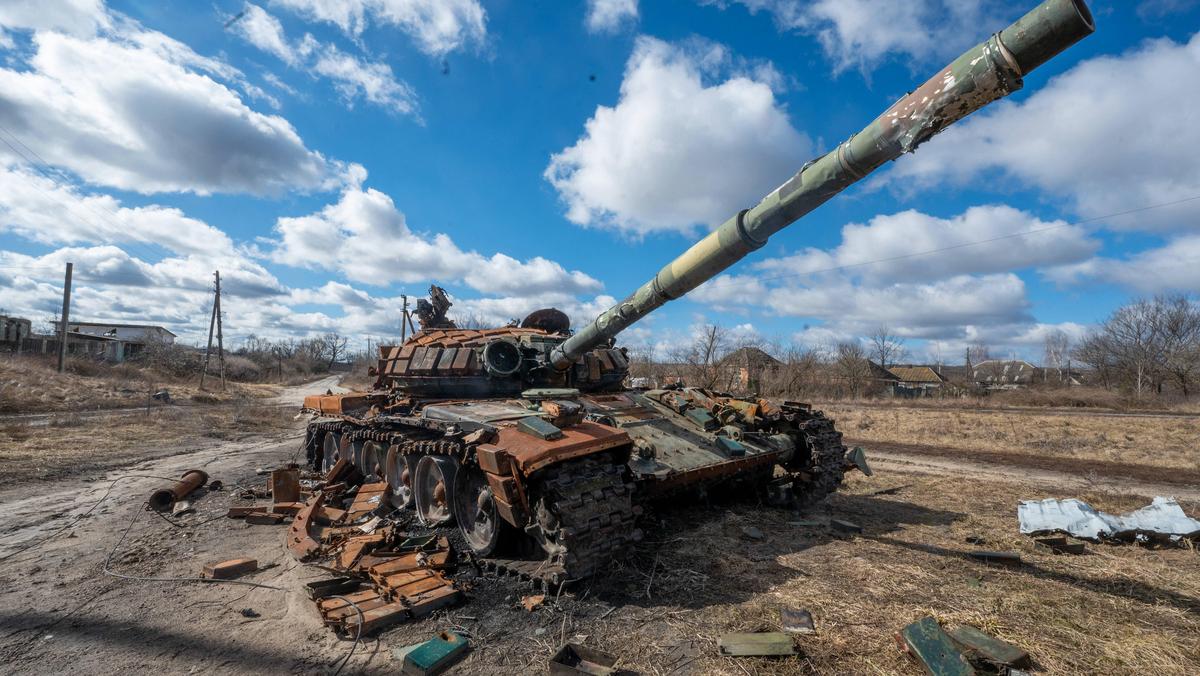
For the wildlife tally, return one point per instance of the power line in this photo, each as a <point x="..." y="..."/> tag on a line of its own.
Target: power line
<point x="45" y="169"/>
<point x="963" y="245"/>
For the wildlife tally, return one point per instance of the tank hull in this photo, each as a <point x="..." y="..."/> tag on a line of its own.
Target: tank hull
<point x="565" y="479"/>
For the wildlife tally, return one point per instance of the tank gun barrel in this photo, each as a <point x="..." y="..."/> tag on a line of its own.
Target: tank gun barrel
<point x="991" y="70"/>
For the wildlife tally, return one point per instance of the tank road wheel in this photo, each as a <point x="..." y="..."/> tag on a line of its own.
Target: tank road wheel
<point x="373" y="459"/>
<point x="353" y="452"/>
<point x="330" y="450"/>
<point x="399" y="471"/>
<point x="433" y="488"/>
<point x="475" y="511"/>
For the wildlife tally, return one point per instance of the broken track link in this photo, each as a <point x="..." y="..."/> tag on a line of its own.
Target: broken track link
<point x="828" y="461"/>
<point x="585" y="516"/>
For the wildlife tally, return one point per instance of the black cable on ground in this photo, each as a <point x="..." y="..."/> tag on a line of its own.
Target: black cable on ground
<point x="79" y="517"/>
<point x="357" y="634"/>
<point x="147" y="578"/>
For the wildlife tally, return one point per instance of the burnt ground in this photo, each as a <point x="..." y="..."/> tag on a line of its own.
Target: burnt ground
<point x="697" y="575"/>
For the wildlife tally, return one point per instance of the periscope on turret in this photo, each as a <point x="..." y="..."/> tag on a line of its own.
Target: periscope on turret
<point x="526" y="436"/>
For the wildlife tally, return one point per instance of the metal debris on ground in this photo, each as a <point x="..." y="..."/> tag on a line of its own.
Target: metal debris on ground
<point x="987" y="648"/>
<point x="753" y="533"/>
<point x="436" y="654"/>
<point x="225" y="570"/>
<point x="165" y="498"/>
<point x="759" y="644"/>
<point x="925" y="641"/>
<point x="976" y="540"/>
<point x="857" y="459"/>
<point x="265" y="519"/>
<point x="1004" y="558"/>
<point x="845" y="526"/>
<point x="575" y="658"/>
<point x="1162" y="521"/>
<point x="1062" y="546"/>
<point x="388" y="577"/>
<point x="797" y="621"/>
<point x="285" y="485"/>
<point x="182" y="507"/>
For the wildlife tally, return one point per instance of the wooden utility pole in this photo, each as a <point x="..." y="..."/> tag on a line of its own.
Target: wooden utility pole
<point x="214" y="322"/>
<point x="220" y="340"/>
<point x="66" y="317"/>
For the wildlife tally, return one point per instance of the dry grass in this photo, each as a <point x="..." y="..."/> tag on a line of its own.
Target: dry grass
<point x="1117" y="610"/>
<point x="1165" y="442"/>
<point x="29" y="385"/>
<point x="71" y="445"/>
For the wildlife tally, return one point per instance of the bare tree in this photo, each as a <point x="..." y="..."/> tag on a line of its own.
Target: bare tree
<point x="1179" y="325"/>
<point x="703" y="355"/>
<point x="798" y="369"/>
<point x="886" y="347"/>
<point x="853" y="367"/>
<point x="473" y="320"/>
<point x="1147" y="345"/>
<point x="978" y="351"/>
<point x="334" y="347"/>
<point x="1057" y="348"/>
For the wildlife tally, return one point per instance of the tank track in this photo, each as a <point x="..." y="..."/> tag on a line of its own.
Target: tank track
<point x="828" y="461"/>
<point x="585" y="515"/>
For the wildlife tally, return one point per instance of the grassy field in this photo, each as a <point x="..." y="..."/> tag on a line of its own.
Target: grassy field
<point x="1118" y="609"/>
<point x="1163" y="442"/>
<point x="29" y="385"/>
<point x="69" y="446"/>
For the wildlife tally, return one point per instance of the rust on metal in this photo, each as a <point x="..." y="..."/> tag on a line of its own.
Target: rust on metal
<point x="300" y="542"/>
<point x="164" y="498"/>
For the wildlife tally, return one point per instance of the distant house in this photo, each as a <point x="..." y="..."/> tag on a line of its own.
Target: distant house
<point x="916" y="381"/>
<point x="133" y="334"/>
<point x="997" y="374"/>
<point x="1000" y="374"/>
<point x="114" y="342"/>
<point x="748" y="365"/>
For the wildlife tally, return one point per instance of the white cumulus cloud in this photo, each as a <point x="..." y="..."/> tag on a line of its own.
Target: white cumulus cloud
<point x="437" y="26"/>
<point x="1114" y="133"/>
<point x="142" y="112"/>
<point x="366" y="238"/>
<point x="677" y="150"/>
<point x="863" y="33"/>
<point x="610" y="15"/>
<point x="983" y="239"/>
<point x="352" y="76"/>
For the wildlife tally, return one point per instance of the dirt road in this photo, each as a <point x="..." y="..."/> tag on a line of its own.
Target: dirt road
<point x="295" y="395"/>
<point x="695" y="577"/>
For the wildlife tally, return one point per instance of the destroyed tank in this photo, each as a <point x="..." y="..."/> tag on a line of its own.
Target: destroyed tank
<point x="528" y="440"/>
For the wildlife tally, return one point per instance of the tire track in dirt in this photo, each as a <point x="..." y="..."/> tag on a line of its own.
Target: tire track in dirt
<point x="1072" y="473"/>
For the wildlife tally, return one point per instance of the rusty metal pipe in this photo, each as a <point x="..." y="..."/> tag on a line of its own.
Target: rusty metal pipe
<point x="164" y="498"/>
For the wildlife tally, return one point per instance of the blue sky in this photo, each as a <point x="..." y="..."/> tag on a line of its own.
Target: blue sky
<point x="331" y="155"/>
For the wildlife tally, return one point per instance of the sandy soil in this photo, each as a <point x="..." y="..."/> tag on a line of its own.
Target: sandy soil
<point x="1120" y="609"/>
